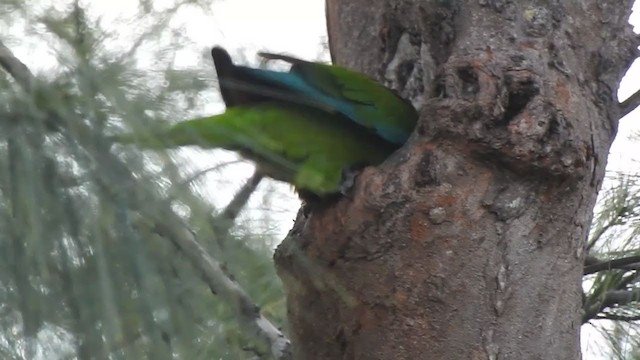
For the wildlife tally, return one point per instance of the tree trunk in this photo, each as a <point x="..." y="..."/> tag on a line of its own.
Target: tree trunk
<point x="468" y="242"/>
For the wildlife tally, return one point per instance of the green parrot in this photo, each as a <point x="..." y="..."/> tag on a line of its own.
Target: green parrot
<point x="312" y="126"/>
<point x="334" y="89"/>
<point x="306" y="147"/>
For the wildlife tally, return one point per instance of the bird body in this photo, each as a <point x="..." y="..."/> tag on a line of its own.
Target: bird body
<point x="327" y="87"/>
<point x="305" y="147"/>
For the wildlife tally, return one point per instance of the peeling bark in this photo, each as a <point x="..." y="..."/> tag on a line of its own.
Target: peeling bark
<point x="468" y="242"/>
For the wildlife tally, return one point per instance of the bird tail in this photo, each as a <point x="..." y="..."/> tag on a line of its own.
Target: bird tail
<point x="286" y="58"/>
<point x="168" y="136"/>
<point x="154" y="140"/>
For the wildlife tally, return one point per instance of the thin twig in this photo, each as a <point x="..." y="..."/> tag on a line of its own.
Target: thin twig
<point x="598" y="234"/>
<point x="628" y="280"/>
<point x="230" y="213"/>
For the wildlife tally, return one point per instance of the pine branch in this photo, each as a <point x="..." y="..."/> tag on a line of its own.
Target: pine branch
<point x="213" y="274"/>
<point x="615" y="317"/>
<point x="629" y="279"/>
<point x="24" y="77"/>
<point x="194" y="176"/>
<point x="611" y="298"/>
<point x="114" y="177"/>
<point x="16" y="68"/>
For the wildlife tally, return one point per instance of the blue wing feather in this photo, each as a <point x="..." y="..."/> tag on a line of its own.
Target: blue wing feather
<point x="345" y="107"/>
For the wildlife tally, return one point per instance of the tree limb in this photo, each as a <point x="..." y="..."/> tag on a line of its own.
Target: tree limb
<point x="630" y="104"/>
<point x="620" y="263"/>
<point x="194" y="176"/>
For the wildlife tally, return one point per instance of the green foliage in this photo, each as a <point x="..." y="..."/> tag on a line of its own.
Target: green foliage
<point x="84" y="271"/>
<point x="612" y="284"/>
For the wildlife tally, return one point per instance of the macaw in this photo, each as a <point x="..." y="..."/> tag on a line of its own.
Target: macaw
<point x="306" y="147"/>
<point x="330" y="88"/>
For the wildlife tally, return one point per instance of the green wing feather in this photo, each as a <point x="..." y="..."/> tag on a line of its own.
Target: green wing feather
<point x="369" y="103"/>
<point x="306" y="147"/>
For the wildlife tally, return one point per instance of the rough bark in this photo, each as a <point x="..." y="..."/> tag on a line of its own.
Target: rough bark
<point x="468" y="242"/>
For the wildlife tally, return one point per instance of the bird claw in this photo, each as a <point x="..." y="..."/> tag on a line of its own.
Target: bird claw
<point x="348" y="180"/>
